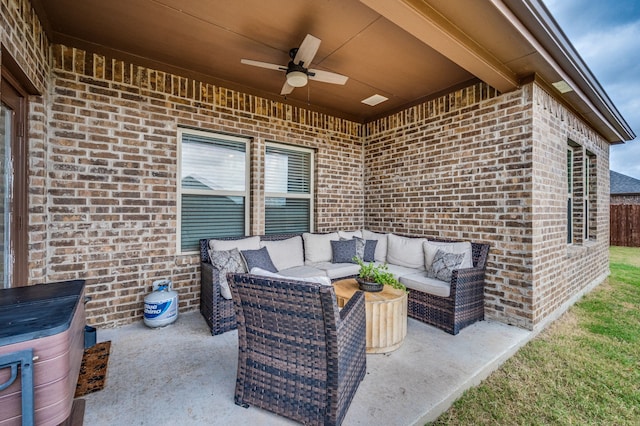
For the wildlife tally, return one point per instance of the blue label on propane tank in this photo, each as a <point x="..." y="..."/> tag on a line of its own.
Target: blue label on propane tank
<point x="155" y="310"/>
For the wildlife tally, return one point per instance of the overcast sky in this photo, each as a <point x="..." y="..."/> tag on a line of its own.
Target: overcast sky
<point x="606" y="34"/>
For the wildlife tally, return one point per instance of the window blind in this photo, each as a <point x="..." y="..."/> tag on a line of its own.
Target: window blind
<point x="287" y="171"/>
<point x="205" y="216"/>
<point x="288" y="190"/>
<point x="213" y="187"/>
<point x="284" y="216"/>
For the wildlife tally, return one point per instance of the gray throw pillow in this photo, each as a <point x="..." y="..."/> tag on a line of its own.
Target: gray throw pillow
<point x="366" y="249"/>
<point x="258" y="259"/>
<point x="443" y="264"/>
<point x="226" y="261"/>
<point x="343" y="251"/>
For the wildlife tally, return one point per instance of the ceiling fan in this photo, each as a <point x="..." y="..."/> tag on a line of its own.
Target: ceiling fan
<point x="297" y="71"/>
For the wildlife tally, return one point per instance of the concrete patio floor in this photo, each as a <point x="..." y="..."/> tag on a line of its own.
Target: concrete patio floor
<point x="181" y="375"/>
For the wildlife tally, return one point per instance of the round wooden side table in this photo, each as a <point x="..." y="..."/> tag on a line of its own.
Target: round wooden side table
<point x="386" y="315"/>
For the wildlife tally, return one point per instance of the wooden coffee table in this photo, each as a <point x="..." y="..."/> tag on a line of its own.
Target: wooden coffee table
<point x="386" y="313"/>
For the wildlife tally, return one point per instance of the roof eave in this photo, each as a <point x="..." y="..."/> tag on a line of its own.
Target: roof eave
<point x="563" y="57"/>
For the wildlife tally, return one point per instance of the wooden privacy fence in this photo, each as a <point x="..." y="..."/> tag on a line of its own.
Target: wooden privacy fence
<point x="625" y="225"/>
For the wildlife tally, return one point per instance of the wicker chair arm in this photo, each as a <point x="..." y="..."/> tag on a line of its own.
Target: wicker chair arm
<point x="352" y="305"/>
<point x="351" y="360"/>
<point x="467" y="277"/>
<point x="210" y="276"/>
<point x="351" y="331"/>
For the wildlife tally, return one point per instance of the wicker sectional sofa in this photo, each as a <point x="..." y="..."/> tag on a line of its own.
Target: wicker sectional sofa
<point x="450" y="304"/>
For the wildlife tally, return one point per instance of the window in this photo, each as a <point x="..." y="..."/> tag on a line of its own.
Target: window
<point x="585" y="200"/>
<point x="14" y="106"/>
<point x="214" y="189"/>
<point x="590" y="199"/>
<point x="581" y="194"/>
<point x="570" y="195"/>
<point x="288" y="189"/>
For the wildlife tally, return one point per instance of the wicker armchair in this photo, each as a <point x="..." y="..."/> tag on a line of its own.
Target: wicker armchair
<point x="217" y="311"/>
<point x="298" y="356"/>
<point x="465" y="304"/>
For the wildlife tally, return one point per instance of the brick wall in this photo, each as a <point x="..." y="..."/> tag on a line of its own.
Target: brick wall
<point x="460" y="167"/>
<point x="112" y="173"/>
<point x="560" y="270"/>
<point x="24" y="38"/>
<point x="483" y="166"/>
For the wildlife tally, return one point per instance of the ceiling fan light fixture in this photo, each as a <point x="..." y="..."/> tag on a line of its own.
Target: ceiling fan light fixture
<point x="296" y="78"/>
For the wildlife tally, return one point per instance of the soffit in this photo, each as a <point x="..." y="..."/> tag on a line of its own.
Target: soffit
<point x="406" y="50"/>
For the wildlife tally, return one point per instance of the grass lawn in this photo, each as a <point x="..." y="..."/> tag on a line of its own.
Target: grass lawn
<point x="582" y="370"/>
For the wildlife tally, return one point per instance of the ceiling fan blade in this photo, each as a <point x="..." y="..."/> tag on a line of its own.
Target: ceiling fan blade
<point x="286" y="89"/>
<point x="307" y="51"/>
<point x="327" y="77"/>
<point x="263" y="65"/>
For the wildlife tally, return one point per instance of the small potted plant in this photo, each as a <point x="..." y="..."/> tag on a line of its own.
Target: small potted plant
<point x="372" y="277"/>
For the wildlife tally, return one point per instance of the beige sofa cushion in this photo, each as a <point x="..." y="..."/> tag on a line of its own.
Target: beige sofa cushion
<point x="405" y="251"/>
<point x="249" y="243"/>
<point x="338" y="270"/>
<point x="317" y="247"/>
<point x="303" y="271"/>
<point x="400" y="271"/>
<point x="285" y="253"/>
<point x="316" y="279"/>
<point x="420" y="282"/>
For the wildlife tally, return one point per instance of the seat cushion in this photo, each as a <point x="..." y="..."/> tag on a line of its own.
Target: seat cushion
<point x="314" y="279"/>
<point x="317" y="247"/>
<point x="338" y="270"/>
<point x="405" y="251"/>
<point x="420" y="282"/>
<point x="303" y="271"/>
<point x="400" y="271"/>
<point x="285" y="253"/>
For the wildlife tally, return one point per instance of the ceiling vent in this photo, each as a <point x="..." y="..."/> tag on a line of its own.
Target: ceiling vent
<point x="374" y="100"/>
<point x="562" y="86"/>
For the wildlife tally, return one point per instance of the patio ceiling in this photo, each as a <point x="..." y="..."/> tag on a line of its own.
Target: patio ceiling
<point x="405" y="50"/>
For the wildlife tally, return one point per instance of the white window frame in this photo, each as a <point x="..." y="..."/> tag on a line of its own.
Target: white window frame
<point x="585" y="200"/>
<point x="570" y="230"/>
<point x="310" y="196"/>
<point x="181" y="191"/>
